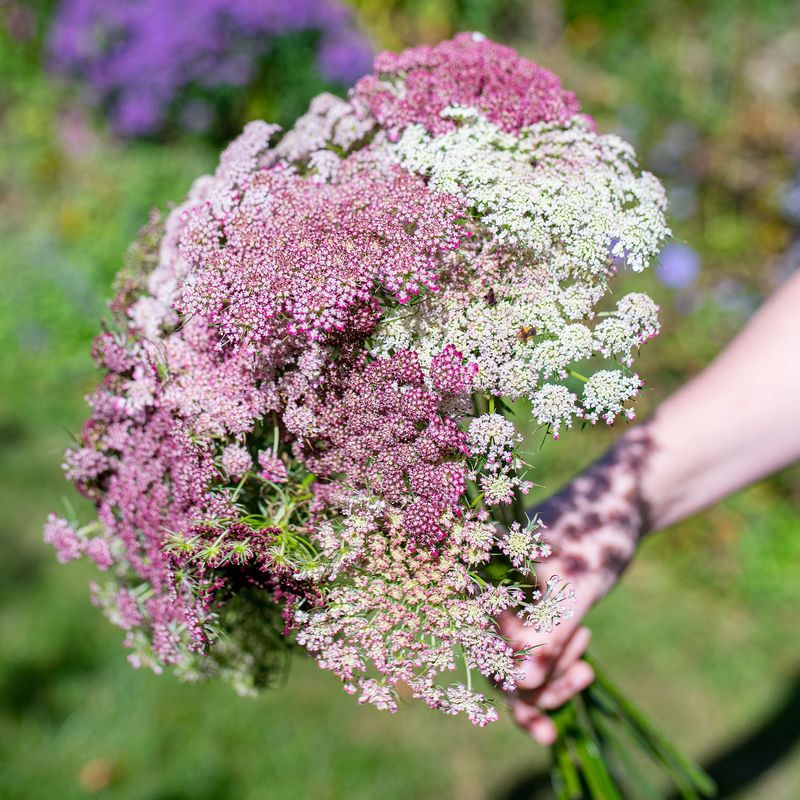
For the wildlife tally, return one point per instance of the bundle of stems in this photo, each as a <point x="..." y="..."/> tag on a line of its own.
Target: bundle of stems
<point x="602" y="737"/>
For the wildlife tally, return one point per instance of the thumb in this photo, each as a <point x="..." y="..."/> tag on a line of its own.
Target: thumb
<point x="541" y="650"/>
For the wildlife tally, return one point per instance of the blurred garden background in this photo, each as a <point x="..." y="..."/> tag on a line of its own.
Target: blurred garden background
<point x="704" y="631"/>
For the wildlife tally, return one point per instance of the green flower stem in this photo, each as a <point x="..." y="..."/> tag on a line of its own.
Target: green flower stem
<point x="276" y="437"/>
<point x="661" y="746"/>
<point x="588" y="735"/>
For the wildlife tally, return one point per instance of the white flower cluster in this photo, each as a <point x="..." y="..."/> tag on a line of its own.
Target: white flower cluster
<point x="606" y="392"/>
<point x="555" y="405"/>
<point x="549" y="608"/>
<point x="635" y="322"/>
<point x="525" y="191"/>
<point x="492" y="440"/>
<point x="555" y="209"/>
<point x="521" y="346"/>
<point x="328" y="121"/>
<point x="523" y="545"/>
<point x="494" y="437"/>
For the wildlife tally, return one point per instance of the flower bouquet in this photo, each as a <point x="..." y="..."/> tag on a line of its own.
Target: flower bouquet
<point x="304" y="435"/>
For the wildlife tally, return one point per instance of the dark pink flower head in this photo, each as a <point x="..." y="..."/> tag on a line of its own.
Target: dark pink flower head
<point x="465" y="71"/>
<point x="449" y="373"/>
<point x="289" y="255"/>
<point x="272" y="468"/>
<point x="385" y="430"/>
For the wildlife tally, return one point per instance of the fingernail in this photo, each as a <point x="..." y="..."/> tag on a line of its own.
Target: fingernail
<point x="544" y="735"/>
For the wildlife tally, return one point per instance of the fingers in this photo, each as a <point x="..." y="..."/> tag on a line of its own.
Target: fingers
<point x="571" y="652"/>
<point x="562" y="675"/>
<point x="552" y="654"/>
<point x="551" y="671"/>
<point x="574" y="680"/>
<point x="535" y="722"/>
<point x="545" y="649"/>
<point x="530" y="714"/>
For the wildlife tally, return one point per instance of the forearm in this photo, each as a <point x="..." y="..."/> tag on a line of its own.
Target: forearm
<point x="735" y="422"/>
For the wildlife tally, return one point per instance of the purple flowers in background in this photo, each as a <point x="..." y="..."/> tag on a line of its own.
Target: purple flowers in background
<point x="139" y="55"/>
<point x="678" y="266"/>
<point x="344" y="56"/>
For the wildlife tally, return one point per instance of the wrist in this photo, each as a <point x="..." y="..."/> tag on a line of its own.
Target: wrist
<point x="626" y="471"/>
<point x="596" y="522"/>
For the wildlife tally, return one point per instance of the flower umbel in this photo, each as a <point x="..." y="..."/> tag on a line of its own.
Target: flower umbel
<point x="304" y="429"/>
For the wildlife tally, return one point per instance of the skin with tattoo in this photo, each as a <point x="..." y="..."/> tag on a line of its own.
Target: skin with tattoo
<point x="734" y="423"/>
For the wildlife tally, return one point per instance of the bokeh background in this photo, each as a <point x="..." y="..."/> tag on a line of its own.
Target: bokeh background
<point x="704" y="631"/>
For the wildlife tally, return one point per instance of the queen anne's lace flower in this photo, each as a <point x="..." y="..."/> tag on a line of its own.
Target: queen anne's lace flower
<point x="555" y="405"/>
<point x="236" y="461"/>
<point x="520" y="187"/>
<point x="493" y="441"/>
<point x="549" y="607"/>
<point x="494" y="438"/>
<point x="606" y="393"/>
<point x="63" y="537"/>
<point x="301" y="430"/>
<point x="415" y="86"/>
<point x="272" y="468"/>
<point x="524" y="544"/>
<point x="635" y="321"/>
<point x="98" y="550"/>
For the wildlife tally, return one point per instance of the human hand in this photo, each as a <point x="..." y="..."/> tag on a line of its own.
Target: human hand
<point x="593" y="526"/>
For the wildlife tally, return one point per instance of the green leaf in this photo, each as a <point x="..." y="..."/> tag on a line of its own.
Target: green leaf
<point x="594" y="768"/>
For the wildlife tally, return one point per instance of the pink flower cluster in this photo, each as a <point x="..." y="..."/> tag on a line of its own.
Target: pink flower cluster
<point x="410" y="617"/>
<point x="299" y="256"/>
<point x="69" y="544"/>
<point x="416" y="85"/>
<point x="265" y="467"/>
<point x="379" y="425"/>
